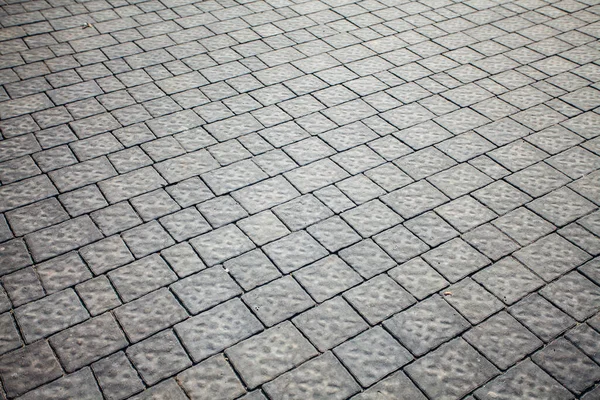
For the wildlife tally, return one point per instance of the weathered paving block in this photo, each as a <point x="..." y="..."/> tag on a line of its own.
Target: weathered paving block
<point x="269" y="354"/>
<point x="149" y="314"/>
<point x="221" y="244"/>
<point x="141" y="277"/>
<point x="321" y="378"/>
<point x="13" y="256"/>
<point x="129" y="185"/>
<point x="50" y="315"/>
<point x="61" y="238"/>
<point x="88" y="342"/>
<point x="25" y="192"/>
<point x="211" y="379"/>
<point x="116" y="377"/>
<point x="78" y="385"/>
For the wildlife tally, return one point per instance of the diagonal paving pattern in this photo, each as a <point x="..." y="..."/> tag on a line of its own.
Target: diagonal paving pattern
<point x="323" y="199"/>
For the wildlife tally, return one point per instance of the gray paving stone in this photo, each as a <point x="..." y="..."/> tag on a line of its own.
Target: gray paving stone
<point x="400" y="244"/>
<point x="575" y="295"/>
<point x="330" y="324"/>
<point x="257" y="359"/>
<point x="80" y="384"/>
<point x="48" y="315"/>
<point x="141" y="277"/>
<point x="214" y="330"/>
<point x="524" y="381"/>
<point x="396" y="386"/>
<point x="9" y="336"/>
<point x="321" y="378"/>
<point x="166" y="388"/>
<point x="464" y="368"/>
<point x="472" y="301"/>
<point x="116" y="377"/>
<point x="149" y="314"/>
<point x="158" y="357"/>
<point x="294" y="251"/>
<point x="210" y="379"/>
<point x="266" y="194"/>
<point x="568" y="365"/>
<point x="219" y="245"/>
<point x="23" y="286"/>
<point x="541" y="317"/>
<point x="85" y="343"/>
<point x="28" y="368"/>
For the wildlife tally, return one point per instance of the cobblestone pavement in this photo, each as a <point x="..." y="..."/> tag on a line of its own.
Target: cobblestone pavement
<point x="323" y="199"/>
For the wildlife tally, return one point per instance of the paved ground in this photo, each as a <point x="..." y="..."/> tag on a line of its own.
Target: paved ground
<point x="300" y="200"/>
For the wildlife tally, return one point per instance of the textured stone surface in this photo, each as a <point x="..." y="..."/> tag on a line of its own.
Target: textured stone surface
<point x="181" y="180"/>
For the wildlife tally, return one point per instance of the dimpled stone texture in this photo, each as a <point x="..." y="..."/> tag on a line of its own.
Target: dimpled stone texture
<point x="472" y="301"/>
<point x="50" y="314"/>
<point x="219" y="245"/>
<point x="568" y="365"/>
<point x="541" y="317"/>
<point x="502" y="340"/>
<point x="326" y="278"/>
<point x="87" y="342"/>
<point x="319" y="379"/>
<point x="372" y="355"/>
<point x="455" y="259"/>
<point x="141" y="277"/>
<point x="574" y="294"/>
<point x="211" y="379"/>
<point x="525" y="381"/>
<point x="269" y="354"/>
<point x="378" y="298"/>
<point x="451" y="371"/>
<point x="205" y="289"/>
<point x="116" y="377"/>
<point x="426" y="325"/>
<point x="28" y="367"/>
<point x="149" y="314"/>
<point x="330" y="324"/>
<point x="78" y="385"/>
<point x="396" y="386"/>
<point x="158" y="357"/>
<point x="216" y="329"/>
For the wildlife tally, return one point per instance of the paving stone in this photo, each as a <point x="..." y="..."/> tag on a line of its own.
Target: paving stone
<point x="541" y="317"/>
<point x="575" y="295"/>
<point x="400" y="244"/>
<point x="36" y="362"/>
<point x="98" y="295"/>
<point x="158" y="357"/>
<point x="524" y="381"/>
<point x="568" y="365"/>
<point x="13" y="256"/>
<point x="256" y="360"/>
<point x="294" y="251"/>
<point x="326" y="278"/>
<point x="149" y="314"/>
<point x="88" y="342"/>
<point x="472" y="301"/>
<point x="395" y="386"/>
<point x="561" y="206"/>
<point x="414" y="199"/>
<point x="9" y="336"/>
<point x="426" y="325"/>
<point x="221" y="244"/>
<point x="166" y="388"/>
<point x="266" y="194"/>
<point x="23" y="286"/>
<point x="321" y="378"/>
<point x="116" y="377"/>
<point x="464" y="368"/>
<point x="217" y="329"/>
<point x="80" y="384"/>
<point x="46" y="316"/>
<point x="502" y="340"/>
<point x="508" y="280"/>
<point x="200" y="382"/>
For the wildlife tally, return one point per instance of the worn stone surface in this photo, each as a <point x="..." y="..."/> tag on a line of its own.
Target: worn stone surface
<point x="290" y="200"/>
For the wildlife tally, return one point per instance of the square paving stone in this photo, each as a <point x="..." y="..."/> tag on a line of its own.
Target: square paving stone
<point x="161" y="391"/>
<point x="116" y="377"/>
<point x="502" y="340"/>
<point x="509" y="280"/>
<point x="490" y="241"/>
<point x="551" y="257"/>
<point x="372" y="355"/>
<point x="462" y="367"/>
<point x="211" y="379"/>
<point x="538" y="179"/>
<point x="541" y="317"/>
<point x="418" y="278"/>
<point x="378" y="299"/>
<point x="183" y="259"/>
<point x="585" y="338"/>
<point x="524" y="381"/>
<point x="322" y="378"/>
<point x="459" y="180"/>
<point x="252" y="269"/>
<point x="263" y="227"/>
<point x="9" y="336"/>
<point x="205" y="289"/>
<point x="327" y="277"/>
<point x="334" y="234"/>
<point x="414" y="199"/>
<point x="158" y="357"/>
<point x="455" y="259"/>
<point x="216" y="329"/>
<point x="302" y="212"/>
<point x="330" y="323"/>
<point x="367" y="258"/>
<point x="85" y="343"/>
<point x="78" y="385"/>
<point x="371" y="218"/>
<point x="431" y="228"/>
<point x="50" y="314"/>
<point x="472" y="301"/>
<point x="278" y="300"/>
<point x="141" y="277"/>
<point x="221" y="210"/>
<point x="465" y="213"/>
<point x="269" y="354"/>
<point x="106" y="254"/>
<point x="574" y="294"/>
<point x="28" y="368"/>
<point x="222" y="244"/>
<point x="562" y="206"/>
<point x="294" y="251"/>
<point x="399" y="243"/>
<point x="147" y="239"/>
<point x="523" y="226"/>
<point x="426" y="325"/>
<point x="396" y="386"/>
<point x="501" y="197"/>
<point x="568" y="365"/>
<point x="149" y="314"/>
